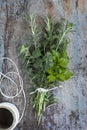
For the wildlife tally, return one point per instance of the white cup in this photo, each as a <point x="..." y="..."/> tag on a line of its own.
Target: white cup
<point x="9" y="116"/>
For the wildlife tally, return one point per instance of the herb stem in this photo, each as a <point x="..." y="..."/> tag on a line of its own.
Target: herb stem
<point x="63" y="35"/>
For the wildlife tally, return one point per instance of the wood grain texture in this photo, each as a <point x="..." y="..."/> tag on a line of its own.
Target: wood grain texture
<point x="71" y="111"/>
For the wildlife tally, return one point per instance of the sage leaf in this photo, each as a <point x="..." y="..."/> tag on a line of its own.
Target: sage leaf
<point x="36" y="53"/>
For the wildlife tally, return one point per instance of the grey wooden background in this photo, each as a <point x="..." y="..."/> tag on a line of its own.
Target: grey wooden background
<point x="71" y="111"/>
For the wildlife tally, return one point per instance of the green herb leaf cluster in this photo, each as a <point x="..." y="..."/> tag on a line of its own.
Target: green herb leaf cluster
<point x="45" y="59"/>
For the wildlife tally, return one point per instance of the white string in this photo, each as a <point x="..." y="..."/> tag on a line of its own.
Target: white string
<point x="6" y="58"/>
<point x="24" y="106"/>
<point x="20" y="81"/>
<point x="43" y="90"/>
<point x="51" y="105"/>
<point x="7" y="78"/>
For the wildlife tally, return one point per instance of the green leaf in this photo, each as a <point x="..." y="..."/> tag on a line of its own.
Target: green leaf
<point x="36" y="53"/>
<point x="68" y="74"/>
<point x="64" y="54"/>
<point x="38" y="104"/>
<point x="38" y="63"/>
<point x="49" y="71"/>
<point x="41" y="100"/>
<point x="64" y="76"/>
<point x="61" y="70"/>
<point x="51" y="78"/>
<point x="60" y="77"/>
<point x="55" y="54"/>
<point x="48" y="26"/>
<point x="22" y="49"/>
<point x="48" y="57"/>
<point x="63" y="62"/>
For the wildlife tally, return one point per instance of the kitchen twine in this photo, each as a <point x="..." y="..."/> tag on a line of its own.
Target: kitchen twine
<point x="2" y="75"/>
<point x="43" y="90"/>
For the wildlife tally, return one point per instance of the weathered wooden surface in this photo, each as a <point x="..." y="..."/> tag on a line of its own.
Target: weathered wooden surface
<point x="71" y="111"/>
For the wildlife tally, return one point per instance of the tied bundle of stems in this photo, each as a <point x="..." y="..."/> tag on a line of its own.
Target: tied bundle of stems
<point x="45" y="58"/>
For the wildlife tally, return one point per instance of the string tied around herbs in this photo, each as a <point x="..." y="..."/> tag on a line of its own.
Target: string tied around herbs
<point x="42" y="90"/>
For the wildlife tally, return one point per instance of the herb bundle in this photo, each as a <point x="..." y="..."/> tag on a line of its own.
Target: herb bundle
<point x="45" y="59"/>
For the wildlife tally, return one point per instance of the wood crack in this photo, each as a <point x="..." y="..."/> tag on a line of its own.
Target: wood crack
<point x="6" y="41"/>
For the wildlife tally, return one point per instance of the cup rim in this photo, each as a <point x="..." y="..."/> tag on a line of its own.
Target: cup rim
<point x="15" y="113"/>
